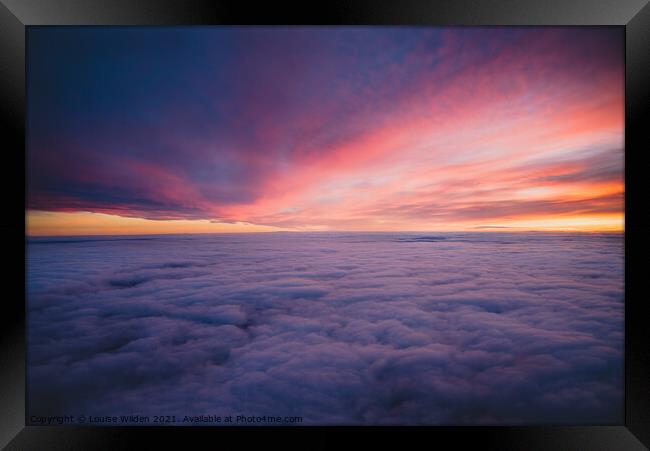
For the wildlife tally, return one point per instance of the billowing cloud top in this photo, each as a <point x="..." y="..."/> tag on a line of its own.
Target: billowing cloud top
<point x="339" y="328"/>
<point x="311" y="128"/>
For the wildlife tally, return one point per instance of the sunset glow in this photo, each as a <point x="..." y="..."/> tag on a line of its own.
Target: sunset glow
<point x="336" y="226"/>
<point x="333" y="129"/>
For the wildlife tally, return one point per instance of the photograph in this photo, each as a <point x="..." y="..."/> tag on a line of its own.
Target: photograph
<point x="232" y="225"/>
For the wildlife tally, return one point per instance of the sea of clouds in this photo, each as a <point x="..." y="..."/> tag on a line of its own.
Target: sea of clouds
<point x="485" y="328"/>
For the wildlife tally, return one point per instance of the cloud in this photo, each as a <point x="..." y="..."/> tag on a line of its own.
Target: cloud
<point x="475" y="328"/>
<point x="256" y="125"/>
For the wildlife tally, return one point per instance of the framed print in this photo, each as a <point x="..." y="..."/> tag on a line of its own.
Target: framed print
<point x="400" y="220"/>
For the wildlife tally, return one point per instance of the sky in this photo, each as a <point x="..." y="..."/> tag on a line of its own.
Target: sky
<point x="137" y="130"/>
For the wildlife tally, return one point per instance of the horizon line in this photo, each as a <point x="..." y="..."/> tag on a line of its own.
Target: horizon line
<point x="483" y="231"/>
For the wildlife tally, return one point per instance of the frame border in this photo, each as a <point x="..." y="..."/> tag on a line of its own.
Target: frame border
<point x="633" y="15"/>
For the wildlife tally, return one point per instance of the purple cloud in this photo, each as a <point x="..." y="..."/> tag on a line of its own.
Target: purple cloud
<point x="486" y="328"/>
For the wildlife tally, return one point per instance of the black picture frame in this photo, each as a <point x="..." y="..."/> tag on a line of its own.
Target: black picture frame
<point x="17" y="15"/>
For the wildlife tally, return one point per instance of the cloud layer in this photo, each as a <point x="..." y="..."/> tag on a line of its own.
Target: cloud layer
<point x="485" y="328"/>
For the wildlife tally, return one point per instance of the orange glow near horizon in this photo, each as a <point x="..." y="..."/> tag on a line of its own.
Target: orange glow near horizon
<point x="45" y="223"/>
<point x="40" y="223"/>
